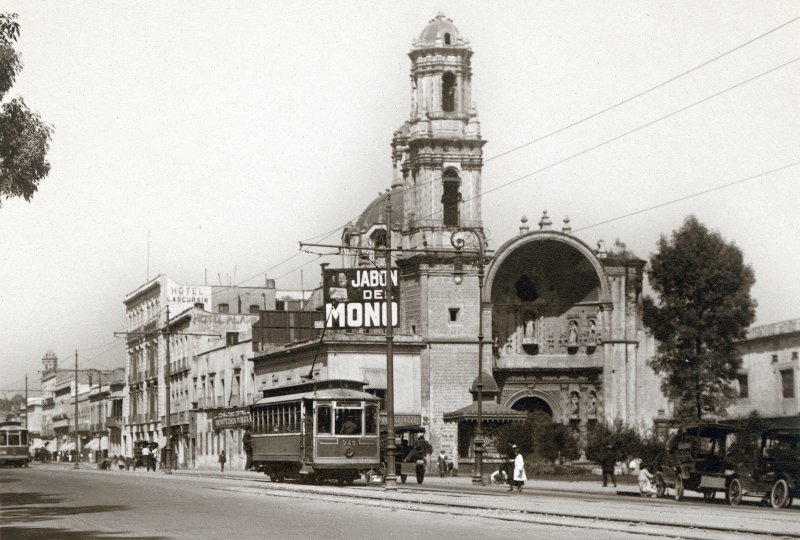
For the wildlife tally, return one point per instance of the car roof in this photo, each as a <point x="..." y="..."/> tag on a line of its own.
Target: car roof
<point x="709" y="427"/>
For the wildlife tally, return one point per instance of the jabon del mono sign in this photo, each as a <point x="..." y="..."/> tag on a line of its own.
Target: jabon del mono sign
<point x="356" y="298"/>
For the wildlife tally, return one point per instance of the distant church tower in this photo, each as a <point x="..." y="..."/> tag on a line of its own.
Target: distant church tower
<point x="49" y="362"/>
<point x="437" y="154"/>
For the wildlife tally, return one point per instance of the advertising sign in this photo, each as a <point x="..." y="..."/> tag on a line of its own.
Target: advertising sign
<point x="182" y="296"/>
<point x="356" y="298"/>
<point x="231" y="418"/>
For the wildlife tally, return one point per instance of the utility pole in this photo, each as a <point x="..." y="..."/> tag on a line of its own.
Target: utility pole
<point x="391" y="478"/>
<point x="168" y="447"/>
<point x="100" y="407"/>
<point x="26" y="401"/>
<point x="76" y="464"/>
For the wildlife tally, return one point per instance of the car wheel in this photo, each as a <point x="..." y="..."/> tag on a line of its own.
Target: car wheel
<point x="708" y="496"/>
<point x="661" y="486"/>
<point x="734" y="492"/>
<point x="779" y="493"/>
<point x="678" y="487"/>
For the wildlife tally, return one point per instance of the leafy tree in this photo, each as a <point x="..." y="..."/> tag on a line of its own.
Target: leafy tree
<point x="705" y="306"/>
<point x="522" y="434"/>
<point x="24" y="137"/>
<point x="617" y="441"/>
<point x="653" y="451"/>
<point x="557" y="442"/>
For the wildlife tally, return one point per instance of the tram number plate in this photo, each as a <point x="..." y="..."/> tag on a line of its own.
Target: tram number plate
<point x="348" y="442"/>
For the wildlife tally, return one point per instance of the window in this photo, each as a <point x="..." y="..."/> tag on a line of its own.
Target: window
<point x="378" y="238"/>
<point x="744" y="391"/>
<point x="787" y="380"/>
<point x="451" y="199"/>
<point x="323" y="419"/>
<point x="447" y="38"/>
<point x="280" y="305"/>
<point x="223" y="308"/>
<point x="371" y="420"/>
<point x="453" y="314"/>
<point x="254" y="308"/>
<point x="348" y="422"/>
<point x="774" y="358"/>
<point x="231" y="338"/>
<point x="448" y="92"/>
<point x="794" y="355"/>
<point x="3" y="438"/>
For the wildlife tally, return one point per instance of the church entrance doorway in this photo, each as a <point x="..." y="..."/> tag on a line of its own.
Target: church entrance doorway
<point x="531" y="405"/>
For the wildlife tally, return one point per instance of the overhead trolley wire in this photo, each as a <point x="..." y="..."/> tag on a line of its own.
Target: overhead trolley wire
<point x="686" y="197"/>
<point x="325" y="235"/>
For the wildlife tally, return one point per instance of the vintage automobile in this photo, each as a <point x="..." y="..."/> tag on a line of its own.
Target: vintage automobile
<point x="697" y="459"/>
<point x="404" y="466"/>
<point x="767" y="464"/>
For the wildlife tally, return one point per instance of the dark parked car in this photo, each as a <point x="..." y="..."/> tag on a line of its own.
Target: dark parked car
<point x="698" y="460"/>
<point x="767" y="465"/>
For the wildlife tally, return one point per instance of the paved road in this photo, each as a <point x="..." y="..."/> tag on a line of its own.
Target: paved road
<point x="57" y="502"/>
<point x="61" y="503"/>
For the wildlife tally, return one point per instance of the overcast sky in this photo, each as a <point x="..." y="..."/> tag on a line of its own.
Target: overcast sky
<point x="233" y="130"/>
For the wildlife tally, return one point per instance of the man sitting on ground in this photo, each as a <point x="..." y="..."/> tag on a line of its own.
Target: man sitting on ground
<point x="646" y="486"/>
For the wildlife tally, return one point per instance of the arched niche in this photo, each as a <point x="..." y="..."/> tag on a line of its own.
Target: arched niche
<point x="546" y="289"/>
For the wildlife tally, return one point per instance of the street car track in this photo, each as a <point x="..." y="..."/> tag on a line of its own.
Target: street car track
<point x="650" y="527"/>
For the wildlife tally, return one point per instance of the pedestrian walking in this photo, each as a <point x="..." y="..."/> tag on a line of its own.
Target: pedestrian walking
<point x="608" y="463"/>
<point x="519" y="470"/>
<point x="222" y="460"/>
<point x="247" y="445"/>
<point x="441" y="462"/>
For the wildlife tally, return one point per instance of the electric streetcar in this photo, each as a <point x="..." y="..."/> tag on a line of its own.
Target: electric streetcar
<point x="316" y="431"/>
<point x="13" y="444"/>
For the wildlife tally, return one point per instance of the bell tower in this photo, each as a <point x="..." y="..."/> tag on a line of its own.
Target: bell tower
<point x="437" y="153"/>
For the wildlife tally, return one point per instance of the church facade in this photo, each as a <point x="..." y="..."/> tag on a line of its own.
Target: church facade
<point x="560" y="320"/>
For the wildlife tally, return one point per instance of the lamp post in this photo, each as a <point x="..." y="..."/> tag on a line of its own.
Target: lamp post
<point x="457" y="240"/>
<point x="390" y="480"/>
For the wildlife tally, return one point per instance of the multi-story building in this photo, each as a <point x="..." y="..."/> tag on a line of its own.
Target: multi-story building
<point x="208" y="338"/>
<point x="769" y="378"/>
<point x="561" y="320"/>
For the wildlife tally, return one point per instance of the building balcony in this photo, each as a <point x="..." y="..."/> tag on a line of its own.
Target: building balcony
<point x="114" y="422"/>
<point x="59" y="422"/>
<point x="98" y="427"/>
<point x="151" y="373"/>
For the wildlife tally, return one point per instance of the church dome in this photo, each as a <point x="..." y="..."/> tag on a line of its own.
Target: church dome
<point x="376" y="211"/>
<point x="490" y="388"/>
<point x="440" y="28"/>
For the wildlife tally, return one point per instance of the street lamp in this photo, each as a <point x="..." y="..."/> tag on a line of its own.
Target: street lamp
<point x="457" y="241"/>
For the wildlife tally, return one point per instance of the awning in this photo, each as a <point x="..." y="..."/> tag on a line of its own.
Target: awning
<point x="375" y="377"/>
<point x="92" y="444"/>
<point x="68" y="447"/>
<point x="491" y="411"/>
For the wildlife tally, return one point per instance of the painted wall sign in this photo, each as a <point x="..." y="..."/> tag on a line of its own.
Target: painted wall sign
<point x="231" y="418"/>
<point x="356" y="298"/>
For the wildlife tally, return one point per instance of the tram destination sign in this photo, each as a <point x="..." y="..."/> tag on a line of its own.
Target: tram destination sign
<point x="356" y="298"/>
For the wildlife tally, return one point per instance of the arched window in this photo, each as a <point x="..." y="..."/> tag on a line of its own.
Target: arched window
<point x="447" y="38"/>
<point x="448" y="92"/>
<point x="378" y="238"/>
<point x="451" y="198"/>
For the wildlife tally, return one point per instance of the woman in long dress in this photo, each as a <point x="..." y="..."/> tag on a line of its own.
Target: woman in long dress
<point x="519" y="471"/>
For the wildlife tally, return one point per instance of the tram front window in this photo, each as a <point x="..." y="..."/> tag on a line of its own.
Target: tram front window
<point x="348" y="422"/>
<point x="323" y="419"/>
<point x="13" y="438"/>
<point x="3" y="438"/>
